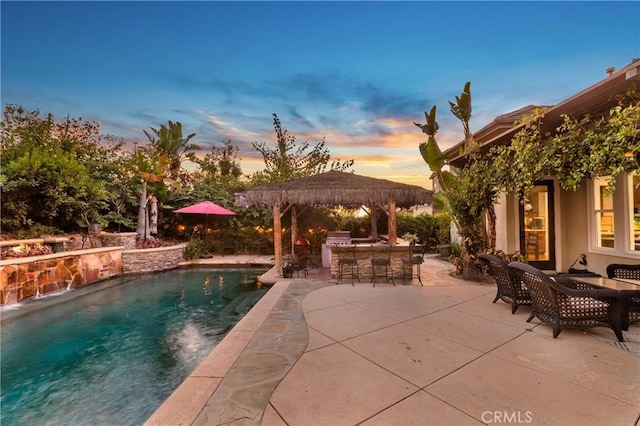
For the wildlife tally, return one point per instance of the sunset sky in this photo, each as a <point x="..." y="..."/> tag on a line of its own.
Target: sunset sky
<point x="358" y="74"/>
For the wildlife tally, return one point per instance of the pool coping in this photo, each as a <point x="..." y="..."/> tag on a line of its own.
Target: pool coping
<point x="228" y="385"/>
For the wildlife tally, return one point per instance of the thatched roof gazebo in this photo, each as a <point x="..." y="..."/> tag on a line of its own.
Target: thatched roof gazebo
<point x="334" y="188"/>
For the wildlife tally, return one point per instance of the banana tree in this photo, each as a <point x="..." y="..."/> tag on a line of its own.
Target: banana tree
<point x="462" y="111"/>
<point x="451" y="197"/>
<point x="436" y="160"/>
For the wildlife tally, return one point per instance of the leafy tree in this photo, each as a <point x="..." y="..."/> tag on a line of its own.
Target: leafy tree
<point x="288" y="160"/>
<point x="53" y="173"/>
<point x="472" y="196"/>
<point x="122" y="193"/>
<point x="218" y="176"/>
<point x="222" y="161"/>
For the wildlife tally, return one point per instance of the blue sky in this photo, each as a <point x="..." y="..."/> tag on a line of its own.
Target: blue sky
<point x="358" y="74"/>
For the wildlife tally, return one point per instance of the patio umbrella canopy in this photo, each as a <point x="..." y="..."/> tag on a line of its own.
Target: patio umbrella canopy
<point x="206" y="208"/>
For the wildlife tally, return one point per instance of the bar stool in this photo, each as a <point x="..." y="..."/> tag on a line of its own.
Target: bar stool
<point x="347" y="260"/>
<point x="381" y="261"/>
<point x="412" y="260"/>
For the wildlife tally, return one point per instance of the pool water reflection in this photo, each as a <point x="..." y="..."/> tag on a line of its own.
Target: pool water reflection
<point x="112" y="353"/>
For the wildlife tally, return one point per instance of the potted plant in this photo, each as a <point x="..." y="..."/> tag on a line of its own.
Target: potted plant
<point x="411" y="238"/>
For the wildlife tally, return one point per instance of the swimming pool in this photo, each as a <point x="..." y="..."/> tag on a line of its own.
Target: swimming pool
<point x="111" y="353"/>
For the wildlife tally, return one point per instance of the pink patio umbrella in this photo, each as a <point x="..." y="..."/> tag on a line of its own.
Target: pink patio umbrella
<point x="206" y="208"/>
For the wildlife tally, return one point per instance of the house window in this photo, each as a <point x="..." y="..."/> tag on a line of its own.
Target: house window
<point x="615" y="216"/>
<point x="603" y="211"/>
<point x="633" y="191"/>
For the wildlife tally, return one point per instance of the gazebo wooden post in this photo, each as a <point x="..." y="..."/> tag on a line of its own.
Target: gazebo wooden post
<point x="294" y="228"/>
<point x="392" y="223"/>
<point x="373" y="212"/>
<point x="277" y="238"/>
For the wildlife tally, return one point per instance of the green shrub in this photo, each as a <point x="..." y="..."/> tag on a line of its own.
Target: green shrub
<point x="37" y="230"/>
<point x="432" y="230"/>
<point x="443" y="228"/>
<point x="456" y="250"/>
<point x="195" y="249"/>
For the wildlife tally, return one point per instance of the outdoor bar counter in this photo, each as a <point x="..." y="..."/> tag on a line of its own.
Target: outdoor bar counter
<point x="364" y="253"/>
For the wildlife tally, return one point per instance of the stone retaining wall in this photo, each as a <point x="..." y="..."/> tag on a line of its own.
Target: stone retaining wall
<point x="127" y="240"/>
<point x="34" y="276"/>
<point x="151" y="260"/>
<point x="30" y="277"/>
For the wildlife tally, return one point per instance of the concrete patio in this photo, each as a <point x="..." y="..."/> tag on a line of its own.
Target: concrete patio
<point x="315" y="353"/>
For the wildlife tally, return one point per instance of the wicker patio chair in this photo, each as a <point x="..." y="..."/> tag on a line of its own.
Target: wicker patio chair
<point x="510" y="288"/>
<point x="568" y="303"/>
<point x="621" y="270"/>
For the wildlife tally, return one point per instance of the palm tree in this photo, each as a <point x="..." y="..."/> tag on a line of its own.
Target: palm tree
<point x="151" y="167"/>
<point x="170" y="141"/>
<point x="173" y="149"/>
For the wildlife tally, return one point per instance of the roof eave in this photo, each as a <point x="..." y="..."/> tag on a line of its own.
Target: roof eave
<point x="595" y="100"/>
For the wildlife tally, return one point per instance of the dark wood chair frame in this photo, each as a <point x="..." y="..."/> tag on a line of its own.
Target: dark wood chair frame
<point x="296" y="264"/>
<point x="347" y="260"/>
<point x="510" y="288"/>
<point x="380" y="261"/>
<point x="261" y="246"/>
<point x="565" y="302"/>
<point x="415" y="258"/>
<point x="228" y="244"/>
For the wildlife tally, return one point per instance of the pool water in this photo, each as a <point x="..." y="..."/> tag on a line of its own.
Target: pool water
<point x="111" y="353"/>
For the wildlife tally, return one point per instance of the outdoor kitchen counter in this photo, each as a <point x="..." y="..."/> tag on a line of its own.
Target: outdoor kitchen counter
<point x="364" y="253"/>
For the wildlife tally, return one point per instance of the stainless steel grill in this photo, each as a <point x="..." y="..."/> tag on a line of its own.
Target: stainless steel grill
<point x="339" y="238"/>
